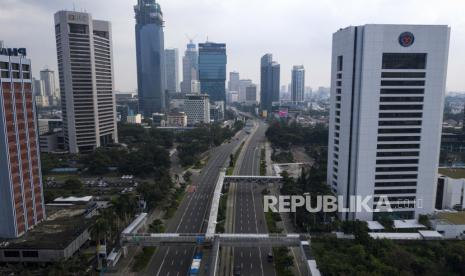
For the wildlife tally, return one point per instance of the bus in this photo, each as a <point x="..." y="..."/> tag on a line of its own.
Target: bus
<point x="195" y="267"/>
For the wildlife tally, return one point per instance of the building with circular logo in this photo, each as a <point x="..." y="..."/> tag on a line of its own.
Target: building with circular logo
<point x="406" y="39"/>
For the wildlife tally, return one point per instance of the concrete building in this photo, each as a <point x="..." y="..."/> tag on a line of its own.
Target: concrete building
<point x="251" y="93"/>
<point x="84" y="48"/>
<point x="232" y="97"/>
<point x="450" y="193"/>
<point x="190" y="68"/>
<point x="233" y="83"/>
<point x="176" y="119"/>
<point x="50" y="90"/>
<point x="38" y="88"/>
<point x="243" y="84"/>
<point x="151" y="82"/>
<point x="21" y="189"/>
<point x="197" y="108"/>
<point x="269" y="82"/>
<point x="212" y="70"/>
<point x="217" y="111"/>
<point x="298" y="83"/>
<point x="172" y="70"/>
<point x="135" y="119"/>
<point x="387" y="93"/>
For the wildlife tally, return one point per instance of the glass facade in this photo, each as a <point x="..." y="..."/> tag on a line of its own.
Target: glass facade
<point x="269" y="81"/>
<point x="150" y="57"/>
<point x="212" y="70"/>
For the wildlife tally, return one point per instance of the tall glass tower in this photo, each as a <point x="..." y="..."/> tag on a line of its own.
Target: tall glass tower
<point x="212" y="70"/>
<point x="150" y="57"/>
<point x="269" y="82"/>
<point x="298" y="83"/>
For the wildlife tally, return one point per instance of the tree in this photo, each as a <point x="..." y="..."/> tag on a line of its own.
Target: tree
<point x="157" y="226"/>
<point x="73" y="184"/>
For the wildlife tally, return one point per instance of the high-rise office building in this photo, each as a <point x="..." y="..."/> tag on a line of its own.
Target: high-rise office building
<point x="151" y="85"/>
<point x="21" y="197"/>
<point x="38" y="90"/>
<point x="298" y="83"/>
<point x="172" y="70"/>
<point x="48" y="77"/>
<point x="251" y="93"/>
<point x="212" y="70"/>
<point x="197" y="108"/>
<point x="269" y="82"/>
<point x="243" y="84"/>
<point x="85" y="65"/>
<point x="387" y="97"/>
<point x="190" y="68"/>
<point x="234" y="80"/>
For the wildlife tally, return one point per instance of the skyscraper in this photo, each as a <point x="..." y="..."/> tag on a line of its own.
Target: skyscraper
<point x="387" y="97"/>
<point x="190" y="68"/>
<point x="298" y="83"/>
<point x="233" y="83"/>
<point x="242" y="89"/>
<point x="172" y="70"/>
<point x="197" y="108"/>
<point x="21" y="196"/>
<point x="48" y="77"/>
<point x="269" y="82"/>
<point x="150" y="55"/>
<point x="251" y="93"/>
<point x="212" y="70"/>
<point x="85" y="65"/>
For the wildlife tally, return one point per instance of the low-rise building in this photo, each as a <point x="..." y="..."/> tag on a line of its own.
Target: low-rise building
<point x="135" y="119"/>
<point x="176" y="119"/>
<point x="450" y="192"/>
<point x="450" y="224"/>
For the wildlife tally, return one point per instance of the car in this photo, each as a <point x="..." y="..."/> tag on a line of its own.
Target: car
<point x="270" y="257"/>
<point x="237" y="271"/>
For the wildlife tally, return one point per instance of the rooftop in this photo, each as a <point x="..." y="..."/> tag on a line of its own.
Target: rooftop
<point x="453" y="172"/>
<point x="62" y="226"/>
<point x="452" y="217"/>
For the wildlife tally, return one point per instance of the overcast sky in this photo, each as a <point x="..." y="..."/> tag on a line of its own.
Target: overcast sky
<point x="295" y="31"/>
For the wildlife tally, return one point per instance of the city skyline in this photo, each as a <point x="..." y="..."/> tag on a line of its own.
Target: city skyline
<point x="310" y="47"/>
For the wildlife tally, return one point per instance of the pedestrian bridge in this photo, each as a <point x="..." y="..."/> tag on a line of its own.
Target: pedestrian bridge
<point x="253" y="179"/>
<point x="237" y="240"/>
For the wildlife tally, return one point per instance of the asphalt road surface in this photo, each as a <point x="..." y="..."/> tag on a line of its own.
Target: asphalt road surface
<point x="249" y="217"/>
<point x="192" y="215"/>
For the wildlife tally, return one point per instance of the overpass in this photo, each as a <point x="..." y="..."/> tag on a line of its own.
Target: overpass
<point x="263" y="180"/>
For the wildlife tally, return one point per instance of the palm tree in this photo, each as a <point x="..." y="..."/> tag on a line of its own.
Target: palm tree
<point x="98" y="232"/>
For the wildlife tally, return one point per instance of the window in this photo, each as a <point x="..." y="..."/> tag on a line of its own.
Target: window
<point x="339" y="75"/>
<point x="338" y="98"/>
<point x="403" y="75"/>
<point x="399" y="123"/>
<point x="397" y="198"/>
<point x="30" y="254"/>
<point x="338" y="113"/>
<point x="395" y="191"/>
<point x="3" y="65"/>
<point x="404" y="61"/>
<point x="5" y="74"/>
<point x="14" y="66"/>
<point x="396" y="161"/>
<point x="401" y="107"/>
<point x="338" y="90"/>
<point x="398" y="138"/>
<point x="398" y="146"/>
<point x="401" y="99"/>
<point x="338" y="127"/>
<point x="335" y="169"/>
<point x="334" y="176"/>
<point x="400" y="115"/>
<point x="338" y="105"/>
<point x="401" y="91"/>
<point x="397" y="169"/>
<point x="334" y="183"/>
<point x="397" y="153"/>
<point x="336" y="134"/>
<point x="336" y="141"/>
<point x="11" y="254"/>
<point x="338" y="120"/>
<point x="339" y="83"/>
<point x="395" y="184"/>
<point x="402" y="83"/>
<point x="336" y="148"/>
<point x="25" y="67"/>
<point x="77" y="28"/>
<point x="399" y="130"/>
<point x="398" y="176"/>
<point x="339" y="63"/>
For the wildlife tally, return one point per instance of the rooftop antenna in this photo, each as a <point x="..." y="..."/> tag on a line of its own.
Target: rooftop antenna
<point x="191" y="38"/>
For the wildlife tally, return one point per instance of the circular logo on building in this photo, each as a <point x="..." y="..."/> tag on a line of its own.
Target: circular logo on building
<point x="406" y="39"/>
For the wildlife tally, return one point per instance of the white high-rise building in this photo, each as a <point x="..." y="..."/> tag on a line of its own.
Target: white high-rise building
<point x="387" y="97"/>
<point x="190" y="68"/>
<point x="234" y="80"/>
<point x="197" y="108"/>
<point x="298" y="83"/>
<point x="85" y="65"/>
<point x="48" y="77"/>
